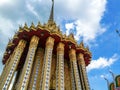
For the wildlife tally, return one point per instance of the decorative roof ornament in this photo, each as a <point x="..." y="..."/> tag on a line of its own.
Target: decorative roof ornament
<point x="81" y="44"/>
<point x="87" y="48"/>
<point x="20" y="29"/>
<point x="10" y="43"/>
<point x="26" y="27"/>
<point x="16" y="35"/>
<point x="88" y="51"/>
<point x="10" y="40"/>
<point x="71" y="37"/>
<point x="32" y="26"/>
<point x="39" y="25"/>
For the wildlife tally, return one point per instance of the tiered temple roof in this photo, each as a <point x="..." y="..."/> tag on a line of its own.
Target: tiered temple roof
<point x="43" y="32"/>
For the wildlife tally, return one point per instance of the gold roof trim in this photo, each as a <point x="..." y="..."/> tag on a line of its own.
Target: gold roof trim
<point x="81" y="46"/>
<point x="53" y="29"/>
<point x="33" y="26"/>
<point x="10" y="43"/>
<point x="50" y="25"/>
<point x="20" y="29"/>
<point x="5" y="53"/>
<point x="39" y="25"/>
<point x="26" y="27"/>
<point x="16" y="35"/>
<point x="71" y="38"/>
<point x="88" y="51"/>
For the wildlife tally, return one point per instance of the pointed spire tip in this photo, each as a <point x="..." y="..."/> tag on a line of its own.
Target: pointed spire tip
<point x="51" y="17"/>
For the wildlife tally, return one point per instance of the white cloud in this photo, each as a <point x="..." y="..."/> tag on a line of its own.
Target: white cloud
<point x="69" y="27"/>
<point x="105" y="76"/>
<point x="88" y="15"/>
<point x="102" y="62"/>
<point x="102" y="76"/>
<point x="7" y="27"/>
<point x="6" y="31"/>
<point x="32" y="10"/>
<point x="3" y="2"/>
<point x="36" y="1"/>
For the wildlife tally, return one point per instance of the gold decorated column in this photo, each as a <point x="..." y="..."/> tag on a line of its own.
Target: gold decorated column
<point x="81" y="76"/>
<point x="34" y="83"/>
<point x="45" y="80"/>
<point x="74" y="71"/>
<point x="60" y="67"/>
<point x="24" y="79"/>
<point x="6" y="69"/>
<point x="83" y="73"/>
<point x="11" y="68"/>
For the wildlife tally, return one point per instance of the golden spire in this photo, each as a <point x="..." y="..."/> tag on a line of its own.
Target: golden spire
<point x="51" y="17"/>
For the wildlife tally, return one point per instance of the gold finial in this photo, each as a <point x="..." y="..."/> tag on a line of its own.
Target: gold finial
<point x="39" y="24"/>
<point x="32" y="26"/>
<point x="20" y="28"/>
<point x="10" y="43"/>
<point x="10" y="40"/>
<point x="71" y="36"/>
<point x="16" y="35"/>
<point x="88" y="51"/>
<point x="81" y="44"/>
<point x="87" y="48"/>
<point x="26" y="27"/>
<point x="51" y="18"/>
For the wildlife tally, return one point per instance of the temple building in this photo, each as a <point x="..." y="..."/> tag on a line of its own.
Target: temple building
<point x="40" y="57"/>
<point x="115" y="84"/>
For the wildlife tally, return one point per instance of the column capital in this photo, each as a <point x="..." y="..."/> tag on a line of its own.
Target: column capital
<point x="72" y="54"/>
<point x="80" y="58"/>
<point x="21" y="43"/>
<point x="34" y="40"/>
<point x="50" y="42"/>
<point x="60" y="47"/>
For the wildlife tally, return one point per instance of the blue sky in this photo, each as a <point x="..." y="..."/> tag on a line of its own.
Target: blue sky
<point x="93" y="21"/>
